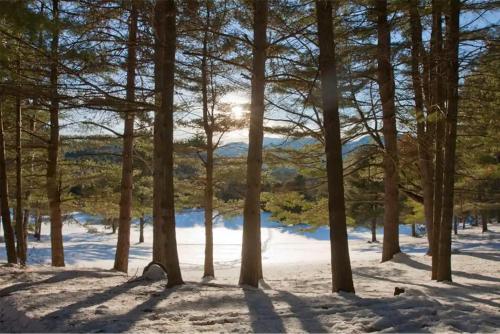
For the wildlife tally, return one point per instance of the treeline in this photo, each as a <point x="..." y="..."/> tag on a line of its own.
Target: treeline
<point x="73" y="74"/>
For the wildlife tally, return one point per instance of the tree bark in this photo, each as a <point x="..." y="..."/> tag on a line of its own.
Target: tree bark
<point x="38" y="225"/>
<point x="374" y="230"/>
<point x="391" y="168"/>
<point x="53" y="190"/>
<point x="452" y="42"/>
<point x="141" y="229"/>
<point x="20" y="231"/>
<point x="164" y="238"/>
<point x="209" y="163"/>
<point x="423" y="140"/>
<point x="414" y="231"/>
<point x="484" y="220"/>
<point x="341" y="264"/>
<point x="8" y="231"/>
<point x="455" y="225"/>
<point x="251" y="257"/>
<point x="123" y="243"/>
<point x="437" y="113"/>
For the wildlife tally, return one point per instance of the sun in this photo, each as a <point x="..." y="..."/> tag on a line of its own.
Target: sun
<point x="238" y="104"/>
<point x="238" y="111"/>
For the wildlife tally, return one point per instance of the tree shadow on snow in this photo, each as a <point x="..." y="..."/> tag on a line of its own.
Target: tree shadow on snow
<point x="59" y="277"/>
<point x="124" y="322"/>
<point x="263" y="316"/>
<point x="98" y="298"/>
<point x="302" y="309"/>
<point x="453" y="292"/>
<point x="422" y="266"/>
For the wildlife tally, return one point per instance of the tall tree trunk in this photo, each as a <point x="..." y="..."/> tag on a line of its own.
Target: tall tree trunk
<point x="251" y="257"/>
<point x="8" y="231"/>
<point x="455" y="225"/>
<point x="141" y="229"/>
<point x="437" y="113"/>
<point x="484" y="221"/>
<point x="341" y="264"/>
<point x="164" y="238"/>
<point x="452" y="41"/>
<point x="123" y="243"/>
<point x="53" y="189"/>
<point x="38" y="225"/>
<point x="20" y="233"/>
<point x="27" y="193"/>
<point x="209" y="163"/>
<point x="414" y="231"/>
<point x="391" y="177"/>
<point x="423" y="140"/>
<point x="374" y="230"/>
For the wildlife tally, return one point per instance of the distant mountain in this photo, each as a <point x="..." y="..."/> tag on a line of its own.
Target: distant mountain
<point x="237" y="149"/>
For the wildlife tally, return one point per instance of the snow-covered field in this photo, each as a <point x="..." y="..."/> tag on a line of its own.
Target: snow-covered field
<point x="295" y="297"/>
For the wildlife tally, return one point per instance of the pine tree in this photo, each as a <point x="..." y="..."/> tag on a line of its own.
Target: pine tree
<point x="391" y="167"/>
<point x="451" y="51"/>
<point x="53" y="189"/>
<point x="251" y="257"/>
<point x="8" y="231"/>
<point x="341" y="265"/>
<point x="123" y="243"/>
<point x="418" y="60"/>
<point x="164" y="239"/>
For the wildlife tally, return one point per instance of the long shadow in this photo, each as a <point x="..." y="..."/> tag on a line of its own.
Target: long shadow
<point x="94" y="299"/>
<point x="391" y="317"/>
<point x="12" y="320"/>
<point x="483" y="255"/>
<point x="263" y="316"/>
<point x="458" y="295"/>
<point x="421" y="266"/>
<point x="124" y="322"/>
<point x="310" y="323"/>
<point x="57" y="278"/>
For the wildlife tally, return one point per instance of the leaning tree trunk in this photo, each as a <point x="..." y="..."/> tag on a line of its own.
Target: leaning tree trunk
<point x="123" y="243"/>
<point x="452" y="41"/>
<point x="251" y="257"/>
<point x="8" y="231"/>
<point x="341" y="264"/>
<point x="423" y="140"/>
<point x="437" y="114"/>
<point x="209" y="163"/>
<point x="391" y="177"/>
<point x="164" y="238"/>
<point x="20" y="232"/>
<point x="53" y="190"/>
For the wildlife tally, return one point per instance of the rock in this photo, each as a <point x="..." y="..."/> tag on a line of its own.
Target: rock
<point x="102" y="309"/>
<point x="154" y="272"/>
<point x="398" y="291"/>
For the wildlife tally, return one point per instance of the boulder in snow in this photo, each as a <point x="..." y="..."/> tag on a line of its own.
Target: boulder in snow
<point x="155" y="272"/>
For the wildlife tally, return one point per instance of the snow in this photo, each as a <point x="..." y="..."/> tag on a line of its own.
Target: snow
<point x="295" y="297"/>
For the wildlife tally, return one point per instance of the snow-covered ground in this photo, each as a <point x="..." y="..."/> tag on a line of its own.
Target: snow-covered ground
<point x="88" y="243"/>
<point x="87" y="296"/>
